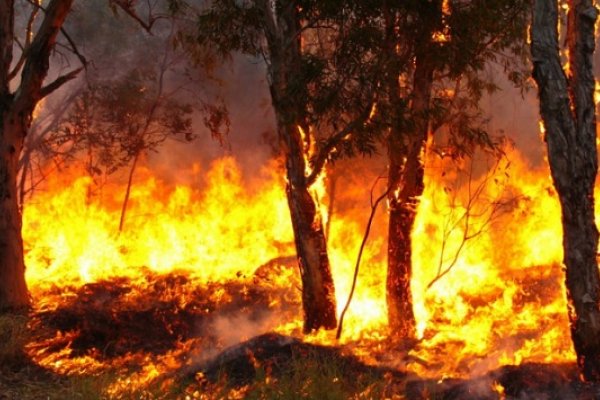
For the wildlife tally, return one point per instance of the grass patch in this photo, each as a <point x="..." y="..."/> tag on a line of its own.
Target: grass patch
<point x="307" y="376"/>
<point x="22" y="379"/>
<point x="14" y="334"/>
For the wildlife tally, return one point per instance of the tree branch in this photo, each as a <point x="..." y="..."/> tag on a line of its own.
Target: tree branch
<point x="25" y="47"/>
<point x="319" y="159"/>
<point x="73" y="48"/>
<point x="127" y="7"/>
<point x="360" y="253"/>
<point x="58" y="82"/>
<point x="37" y="63"/>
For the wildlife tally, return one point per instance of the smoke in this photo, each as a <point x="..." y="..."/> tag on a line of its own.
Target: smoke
<point x="513" y="113"/>
<point x="224" y="331"/>
<point x="231" y="330"/>
<point x="243" y="89"/>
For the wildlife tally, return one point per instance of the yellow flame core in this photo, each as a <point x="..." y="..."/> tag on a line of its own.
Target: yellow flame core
<point x="501" y="301"/>
<point x="210" y="233"/>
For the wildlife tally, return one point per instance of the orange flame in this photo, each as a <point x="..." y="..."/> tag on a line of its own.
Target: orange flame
<point x="497" y="237"/>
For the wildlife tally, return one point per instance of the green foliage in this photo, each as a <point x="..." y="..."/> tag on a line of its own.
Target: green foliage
<point x="460" y="43"/>
<point x="353" y="53"/>
<point x="114" y="121"/>
<point x="230" y="25"/>
<point x="332" y="83"/>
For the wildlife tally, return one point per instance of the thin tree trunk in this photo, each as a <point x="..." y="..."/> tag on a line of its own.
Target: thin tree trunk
<point x="128" y="192"/>
<point x="318" y="294"/>
<point x="405" y="175"/>
<point x="283" y="33"/>
<point x="568" y="111"/>
<point x="401" y="318"/>
<point x="13" y="290"/>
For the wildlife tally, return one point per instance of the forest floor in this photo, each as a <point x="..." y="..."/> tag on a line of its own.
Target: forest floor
<point x="170" y="338"/>
<point x="272" y="366"/>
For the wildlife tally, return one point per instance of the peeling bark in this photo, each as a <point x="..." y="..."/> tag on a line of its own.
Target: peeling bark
<point x="15" y="118"/>
<point x="282" y="30"/>
<point x="568" y="112"/>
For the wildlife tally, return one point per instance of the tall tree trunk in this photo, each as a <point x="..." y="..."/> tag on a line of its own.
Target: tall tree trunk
<point x="282" y="29"/>
<point x="405" y="177"/>
<point x="13" y="290"/>
<point x="568" y="111"/>
<point x="16" y="110"/>
<point x="318" y="294"/>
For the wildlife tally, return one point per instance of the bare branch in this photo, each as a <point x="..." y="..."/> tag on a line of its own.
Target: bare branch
<point x="490" y="212"/>
<point x="25" y="47"/>
<point x="128" y="7"/>
<point x="318" y="160"/>
<point x="58" y="82"/>
<point x="73" y="48"/>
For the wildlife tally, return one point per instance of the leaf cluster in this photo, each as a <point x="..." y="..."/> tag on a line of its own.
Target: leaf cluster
<point x="114" y="121"/>
<point x="358" y="54"/>
<point x="462" y="40"/>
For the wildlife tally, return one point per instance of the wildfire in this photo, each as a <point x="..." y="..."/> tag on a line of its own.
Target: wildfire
<point x="487" y="280"/>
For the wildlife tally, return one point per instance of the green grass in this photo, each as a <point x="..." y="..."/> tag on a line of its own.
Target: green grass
<point x="310" y="376"/>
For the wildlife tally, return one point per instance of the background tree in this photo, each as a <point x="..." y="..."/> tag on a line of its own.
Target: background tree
<point x="436" y="52"/>
<point x="322" y="97"/>
<point x="117" y="115"/>
<point x="31" y="64"/>
<point x="115" y="137"/>
<point x="105" y="37"/>
<point x="568" y="112"/>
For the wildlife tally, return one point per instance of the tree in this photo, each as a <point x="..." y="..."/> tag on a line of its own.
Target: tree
<point x="566" y="97"/>
<point x="105" y="37"/>
<point x="16" y="109"/>
<point x="156" y="94"/>
<point x="115" y="137"/>
<point x="322" y="98"/>
<point x="436" y="51"/>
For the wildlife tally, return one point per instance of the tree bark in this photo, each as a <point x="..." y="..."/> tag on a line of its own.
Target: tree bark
<point x="318" y="294"/>
<point x="568" y="112"/>
<point x="13" y="289"/>
<point x="283" y="33"/>
<point x="16" y="110"/>
<point x="405" y="177"/>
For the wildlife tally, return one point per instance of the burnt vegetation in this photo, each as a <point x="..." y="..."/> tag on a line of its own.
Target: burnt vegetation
<point x="151" y="246"/>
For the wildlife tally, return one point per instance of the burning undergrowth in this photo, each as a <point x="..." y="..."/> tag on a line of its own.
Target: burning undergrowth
<point x="113" y="319"/>
<point x="190" y="276"/>
<point x="213" y="338"/>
